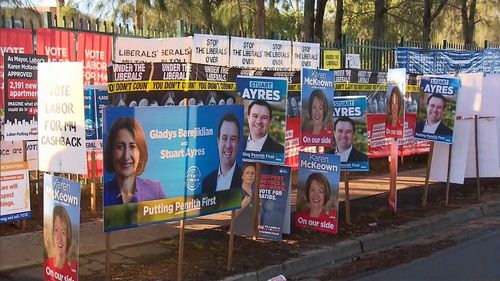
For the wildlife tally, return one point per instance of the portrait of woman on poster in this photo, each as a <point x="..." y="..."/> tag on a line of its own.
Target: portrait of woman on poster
<point x="317" y="193"/>
<point x="60" y="241"/>
<point x="318" y="112"/>
<point x="126" y="155"/>
<point x="394" y="109"/>
<point x="244" y="216"/>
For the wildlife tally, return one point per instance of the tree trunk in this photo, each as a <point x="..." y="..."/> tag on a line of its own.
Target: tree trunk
<point x="308" y="20"/>
<point x="378" y="24"/>
<point x="240" y="15"/>
<point x="426" y="24"/>
<point x="338" y="21"/>
<point x="468" y="21"/>
<point x="207" y="8"/>
<point x="318" y="22"/>
<point x="260" y="19"/>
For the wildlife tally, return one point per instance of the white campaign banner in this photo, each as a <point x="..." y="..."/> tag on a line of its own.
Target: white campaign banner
<point x="468" y="104"/>
<point x="276" y="55"/>
<point x="211" y="49"/>
<point x="153" y="50"/>
<point x="305" y="55"/>
<point x="260" y="54"/>
<point x="61" y="131"/>
<point x="14" y="193"/>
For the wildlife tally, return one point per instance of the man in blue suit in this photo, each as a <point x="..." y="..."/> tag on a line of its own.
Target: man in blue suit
<point x="436" y="105"/>
<point x="228" y="175"/>
<point x="259" y="118"/>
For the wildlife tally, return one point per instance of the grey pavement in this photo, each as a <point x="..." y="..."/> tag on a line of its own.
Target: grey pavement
<point x="24" y="258"/>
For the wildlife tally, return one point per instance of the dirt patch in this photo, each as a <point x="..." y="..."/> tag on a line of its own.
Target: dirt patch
<point x="206" y="251"/>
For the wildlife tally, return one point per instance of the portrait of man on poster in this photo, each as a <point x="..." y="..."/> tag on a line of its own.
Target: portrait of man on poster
<point x="260" y="116"/>
<point x="433" y="124"/>
<point x="344" y="130"/>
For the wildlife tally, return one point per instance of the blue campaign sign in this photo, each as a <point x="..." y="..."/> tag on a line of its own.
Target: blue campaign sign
<point x="169" y="163"/>
<point x="433" y="61"/>
<point x="95" y="99"/>
<point x="264" y="99"/>
<point x="349" y="115"/>
<point x="61" y="211"/>
<point x="317" y="107"/>
<point x="436" y="114"/>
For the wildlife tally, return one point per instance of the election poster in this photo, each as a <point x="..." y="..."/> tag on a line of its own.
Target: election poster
<point x="57" y="45"/>
<point x="437" y="107"/>
<point x="395" y="101"/>
<point x="332" y="59"/>
<point x="137" y="50"/>
<point x="350" y="133"/>
<point x="195" y="144"/>
<point x="94" y="50"/>
<point x="274" y="198"/>
<point x="260" y="54"/>
<point x="317" y="107"/>
<point x="61" y="228"/>
<point x="305" y="55"/>
<point x="264" y="99"/>
<point x="318" y="192"/>
<point x="61" y="130"/>
<point x="14" y="182"/>
<point x="21" y="96"/>
<point x="15" y="41"/>
<point x="211" y="49"/>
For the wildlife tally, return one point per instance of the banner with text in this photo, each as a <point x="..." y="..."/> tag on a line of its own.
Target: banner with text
<point x="305" y="55"/>
<point x="211" y="49"/>
<point x="57" y="45"/>
<point x="17" y="41"/>
<point x="261" y="54"/>
<point x="94" y="50"/>
<point x="21" y="96"/>
<point x="199" y="146"/>
<point x="136" y="50"/>
<point x="14" y="182"/>
<point x="61" y="130"/>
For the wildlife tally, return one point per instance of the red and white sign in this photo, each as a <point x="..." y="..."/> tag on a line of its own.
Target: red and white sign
<point x="94" y="50"/>
<point x="58" y="45"/>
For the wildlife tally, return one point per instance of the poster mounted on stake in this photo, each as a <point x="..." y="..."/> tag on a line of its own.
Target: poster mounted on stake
<point x="61" y="228"/>
<point x="95" y="52"/>
<point x="395" y="98"/>
<point x="211" y="49"/>
<point x="61" y="130"/>
<point x="274" y="199"/>
<point x="264" y="99"/>
<point x="437" y="107"/>
<point x="349" y="132"/>
<point x="317" y="107"/>
<point x="16" y="41"/>
<point x="318" y="192"/>
<point x="199" y="146"/>
<point x="14" y="183"/>
<point x="21" y="96"/>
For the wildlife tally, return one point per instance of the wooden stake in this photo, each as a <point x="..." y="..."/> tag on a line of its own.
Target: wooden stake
<point x="448" y="177"/>
<point x="347" y="200"/>
<point x="231" y="242"/>
<point x="180" y="276"/>
<point x="427" y="175"/>
<point x="93" y="192"/>
<point x="478" y="194"/>
<point x="107" y="258"/>
<point x="393" y="192"/>
<point x="256" y="205"/>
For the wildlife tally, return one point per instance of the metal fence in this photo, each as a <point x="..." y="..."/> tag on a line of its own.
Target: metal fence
<point x="374" y="55"/>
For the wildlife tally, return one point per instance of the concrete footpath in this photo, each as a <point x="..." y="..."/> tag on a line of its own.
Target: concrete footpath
<point x="21" y="255"/>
